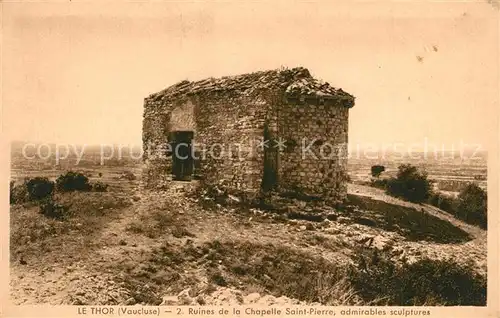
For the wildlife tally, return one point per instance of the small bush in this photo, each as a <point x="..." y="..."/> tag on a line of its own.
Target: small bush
<point x="52" y="209"/>
<point x="18" y="193"/>
<point x="376" y="170"/>
<point x="410" y="184"/>
<point x="99" y="186"/>
<point x="443" y="202"/>
<point x="472" y="205"/>
<point x="73" y="181"/>
<point x="379" y="183"/>
<point x="39" y="188"/>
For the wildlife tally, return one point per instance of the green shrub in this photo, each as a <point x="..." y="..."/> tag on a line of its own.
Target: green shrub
<point x="443" y="202"/>
<point x="18" y="193"/>
<point x="470" y="206"/>
<point x="39" y="188"/>
<point x="379" y="183"/>
<point x="52" y="209"/>
<point x="99" y="186"/>
<point x="73" y="181"/>
<point x="33" y="189"/>
<point x="473" y="205"/>
<point x="376" y="170"/>
<point x="410" y="184"/>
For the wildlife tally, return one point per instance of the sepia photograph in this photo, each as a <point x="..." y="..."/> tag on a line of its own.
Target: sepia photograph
<point x="311" y="158"/>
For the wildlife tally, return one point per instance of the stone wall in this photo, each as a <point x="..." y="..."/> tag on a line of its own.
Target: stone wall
<point x="315" y="158"/>
<point x="228" y="126"/>
<point x="154" y="136"/>
<point x="162" y="116"/>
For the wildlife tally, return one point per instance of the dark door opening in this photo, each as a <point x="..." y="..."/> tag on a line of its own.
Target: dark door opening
<point x="270" y="177"/>
<point x="182" y="155"/>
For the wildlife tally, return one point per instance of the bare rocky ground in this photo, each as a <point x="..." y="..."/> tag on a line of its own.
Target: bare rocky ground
<point x="171" y="247"/>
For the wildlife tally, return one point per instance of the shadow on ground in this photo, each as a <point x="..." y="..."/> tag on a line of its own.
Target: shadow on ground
<point x="414" y="225"/>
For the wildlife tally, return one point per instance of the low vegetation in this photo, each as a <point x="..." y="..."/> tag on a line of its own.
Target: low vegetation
<point x="39" y="188"/>
<point x="413" y="185"/>
<point x="33" y="189"/>
<point x="99" y="186"/>
<point x="266" y="268"/>
<point x="471" y="205"/>
<point x="73" y="181"/>
<point x="70" y="219"/>
<point x="18" y="193"/>
<point x="410" y="184"/>
<point x="377" y="170"/>
<point x="52" y="209"/>
<point x="426" y="282"/>
<point x="42" y="190"/>
<point x="379" y="183"/>
<point x="374" y="279"/>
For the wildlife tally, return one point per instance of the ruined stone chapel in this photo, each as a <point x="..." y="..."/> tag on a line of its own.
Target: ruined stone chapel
<point x="278" y="129"/>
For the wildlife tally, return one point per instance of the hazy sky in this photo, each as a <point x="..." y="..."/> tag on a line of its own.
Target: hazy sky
<point x="78" y="72"/>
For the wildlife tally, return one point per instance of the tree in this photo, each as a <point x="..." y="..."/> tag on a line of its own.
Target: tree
<point x="473" y="205"/>
<point x="410" y="184"/>
<point x="377" y="170"/>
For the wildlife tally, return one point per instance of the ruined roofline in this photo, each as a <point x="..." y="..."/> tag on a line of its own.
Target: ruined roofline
<point x="296" y="82"/>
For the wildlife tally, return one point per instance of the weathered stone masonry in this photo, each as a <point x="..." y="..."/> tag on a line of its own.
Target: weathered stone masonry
<point x="230" y="114"/>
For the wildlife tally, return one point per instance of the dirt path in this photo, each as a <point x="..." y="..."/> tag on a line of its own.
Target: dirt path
<point x="75" y="273"/>
<point x="65" y="279"/>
